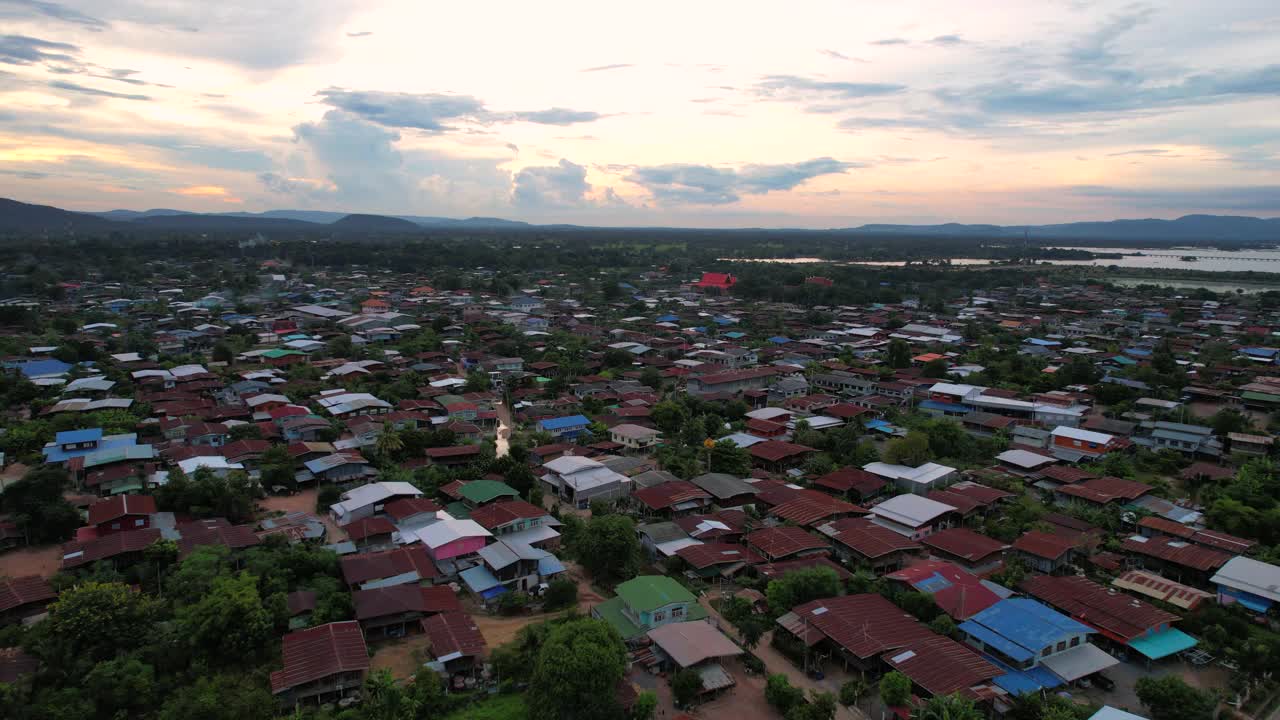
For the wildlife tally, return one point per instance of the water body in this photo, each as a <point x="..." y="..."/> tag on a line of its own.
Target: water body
<point x="1207" y="260"/>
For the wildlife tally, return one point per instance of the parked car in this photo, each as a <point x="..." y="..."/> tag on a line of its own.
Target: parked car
<point x="1103" y="681"/>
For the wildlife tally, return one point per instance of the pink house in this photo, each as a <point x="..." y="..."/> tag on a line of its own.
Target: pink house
<point x="450" y="538"/>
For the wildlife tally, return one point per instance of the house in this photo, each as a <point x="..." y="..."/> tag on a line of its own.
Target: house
<point x="1250" y="583"/>
<point x="565" y="427"/>
<point x="917" y="480"/>
<point x="956" y="591"/>
<point x="1141" y="582"/>
<point x="1045" y="552"/>
<point x="975" y="553"/>
<point x="478" y="493"/>
<point x="647" y="602"/>
<point x="1102" y="491"/>
<point x="520" y="521"/>
<point x="339" y="467"/>
<point x="1187" y="439"/>
<point x="717" y="559"/>
<point x="24" y="598"/>
<point x="321" y="664"/>
<point x="1024" y="635"/>
<point x="124" y="545"/>
<point x="454" y="641"/>
<point x="635" y="438"/>
<point x="408" y="564"/>
<point x="851" y="484"/>
<point x="449" y="540"/>
<point x="861" y="542"/>
<point x="913" y="516"/>
<point x="809" y="508"/>
<point x="695" y="646"/>
<point x="369" y="500"/>
<point x="1124" y="621"/>
<point x="395" y="610"/>
<point x="370" y="533"/>
<point x="1074" y="445"/>
<point x="1249" y="445"/>
<point x="726" y="490"/>
<point x="785" y="543"/>
<point x="579" y="480"/>
<point x="122" y="512"/>
<point x="671" y="499"/>
<point x="510" y="565"/>
<point x="1177" y="559"/>
<point x="776" y="456"/>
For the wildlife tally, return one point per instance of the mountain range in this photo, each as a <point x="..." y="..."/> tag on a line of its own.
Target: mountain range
<point x="18" y="217"/>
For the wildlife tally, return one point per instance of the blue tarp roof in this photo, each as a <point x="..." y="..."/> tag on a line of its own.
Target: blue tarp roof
<point x="944" y="406"/>
<point x="67" y="437"/>
<point x="1021" y="682"/>
<point x="561" y="423"/>
<point x="33" y="368"/>
<point x="667" y="318"/>
<point x="735" y="335"/>
<point x="779" y="340"/>
<point x="1163" y="644"/>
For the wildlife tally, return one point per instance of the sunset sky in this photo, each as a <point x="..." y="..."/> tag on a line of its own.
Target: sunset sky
<point x="699" y="113"/>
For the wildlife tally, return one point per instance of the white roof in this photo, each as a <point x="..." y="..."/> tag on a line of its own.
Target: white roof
<point x="569" y="464"/>
<point x="1109" y="713"/>
<point x="372" y="493"/>
<point x="911" y="510"/>
<point x="213" y="462"/>
<point x="954" y="389"/>
<point x="1078" y="434"/>
<point x="767" y="413"/>
<point x="1024" y="458"/>
<point x="1252" y="576"/>
<point x="1078" y="662"/>
<point x="448" y="529"/>
<point x="922" y="475"/>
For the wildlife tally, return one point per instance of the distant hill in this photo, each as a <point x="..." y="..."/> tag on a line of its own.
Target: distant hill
<point x="1186" y="228"/>
<point x="128" y="215"/>
<point x="374" y="224"/>
<point x="220" y="223"/>
<point x="19" y="217"/>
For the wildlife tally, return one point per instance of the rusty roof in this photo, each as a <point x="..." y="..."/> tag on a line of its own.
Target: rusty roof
<point x="361" y="568"/>
<point x="368" y="527"/>
<point x="75" y="554"/>
<point x="669" y="494"/>
<point x="119" y="506"/>
<point x="406" y="598"/>
<point x="1178" y="552"/>
<point x="232" y="536"/>
<point x="870" y="540"/>
<point x="717" y="553"/>
<point x="1043" y="544"/>
<point x="780" y="542"/>
<point x="865" y="625"/>
<point x="318" y="652"/>
<point x="19" y="591"/>
<point x="846" y="479"/>
<point x="965" y="544"/>
<point x="1115" y="613"/>
<point x="453" y="632"/>
<point x="941" y="665"/>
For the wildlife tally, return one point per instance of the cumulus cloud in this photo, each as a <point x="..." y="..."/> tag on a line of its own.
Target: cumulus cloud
<point x="437" y="113"/>
<point x="561" y="185"/>
<point x="707" y="185"/>
<point x="23" y="50"/>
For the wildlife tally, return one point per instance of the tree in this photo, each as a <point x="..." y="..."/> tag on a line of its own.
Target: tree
<point x="686" y="685"/>
<point x="608" y="549"/>
<point x="947" y="707"/>
<point x="726" y="457"/>
<point x="221" y="697"/>
<point x="898" y="354"/>
<point x="246" y="431"/>
<point x="779" y="693"/>
<point x="122" y="687"/>
<point x="651" y="377"/>
<point x="577" y="672"/>
<point x="821" y="706"/>
<point x="936" y="368"/>
<point x="1171" y="698"/>
<point x="221" y="353"/>
<point x="943" y="625"/>
<point x="383" y="699"/>
<point x="800" y="586"/>
<point x="895" y="689"/>
<point x="669" y="416"/>
<point x="95" y="621"/>
<point x="477" y="381"/>
<point x="1229" y="420"/>
<point x="645" y="705"/>
<point x="230" y="622"/>
<point x="389" y="442"/>
<point x="561" y="593"/>
<point x="853" y="690"/>
<point x="38" y="507"/>
<point x="912" y="450"/>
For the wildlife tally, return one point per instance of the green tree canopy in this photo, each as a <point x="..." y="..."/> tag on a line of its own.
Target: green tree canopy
<point x="577" y="673"/>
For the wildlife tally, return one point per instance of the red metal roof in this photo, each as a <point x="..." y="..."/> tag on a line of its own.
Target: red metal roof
<point x="941" y="665"/>
<point x="870" y="540"/>
<point x="1043" y="544"/>
<point x="775" y="450"/>
<point x="965" y="544"/>
<point x="406" y="598"/>
<point x="810" y="506"/>
<point x="1118" y="615"/>
<point x="402" y="508"/>
<point x="453" y="632"/>
<point x="500" y="513"/>
<point x="1066" y="474"/>
<point x="1178" y="552"/>
<point x="232" y="536"/>
<point x="107" y="546"/>
<point x="770" y="571"/>
<point x="114" y="508"/>
<point x="368" y="527"/>
<point x="781" y="542"/>
<point x="19" y="591"/>
<point x="716" y="553"/>
<point x="962" y="596"/>
<point x="318" y="652"/>
<point x="865" y="625"/>
<point x="669" y="494"/>
<point x="361" y="568"/>
<point x="1106" y="489"/>
<point x="846" y="479"/>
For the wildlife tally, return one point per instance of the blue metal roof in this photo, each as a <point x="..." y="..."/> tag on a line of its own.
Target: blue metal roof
<point x="1163" y="644"/>
<point x="549" y="565"/>
<point x="992" y="639"/>
<point x="944" y="406"/>
<point x="68" y="437"/>
<point x="42" y="367"/>
<point x="1027" y="623"/>
<point x="779" y="340"/>
<point x="735" y="335"/>
<point x="478" y="579"/>
<point x="667" y="318"/>
<point x="562" y="423"/>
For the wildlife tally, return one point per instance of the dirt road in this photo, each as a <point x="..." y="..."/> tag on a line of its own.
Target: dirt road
<point x="43" y="561"/>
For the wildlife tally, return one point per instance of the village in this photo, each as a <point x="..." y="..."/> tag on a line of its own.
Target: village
<point x="1048" y="499"/>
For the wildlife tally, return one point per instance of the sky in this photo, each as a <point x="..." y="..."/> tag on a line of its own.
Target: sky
<point x="703" y="114"/>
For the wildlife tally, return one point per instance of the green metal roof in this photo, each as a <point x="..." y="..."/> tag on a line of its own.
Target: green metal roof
<point x="483" y="491"/>
<point x="1163" y="644"/>
<point x="1260" y="397"/>
<point x="611" y="612"/>
<point x="649" y="592"/>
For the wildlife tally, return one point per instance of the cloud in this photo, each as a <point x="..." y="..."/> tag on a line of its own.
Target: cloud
<point x="203" y="191"/>
<point x="557" y="116"/>
<point x="604" y="68"/>
<point x="73" y="87"/>
<point x="23" y="50"/>
<point x="561" y="185"/>
<point x="707" y="185"/>
<point x="360" y="34"/>
<point x="1255" y="198"/>
<point x="948" y="40"/>
<point x="428" y="112"/>
<point x="837" y="55"/>
<point x="795" y="86"/>
<point x="1140" y="151"/>
<point x="889" y="41"/>
<point x="53" y="10"/>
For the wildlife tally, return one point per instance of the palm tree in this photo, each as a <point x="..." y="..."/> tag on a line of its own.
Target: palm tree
<point x="947" y="707"/>
<point x="389" y="441"/>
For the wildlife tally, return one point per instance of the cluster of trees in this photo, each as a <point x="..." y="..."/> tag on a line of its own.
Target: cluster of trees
<point x="196" y="641"/>
<point x="37" y="506"/>
<point x="791" y="702"/>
